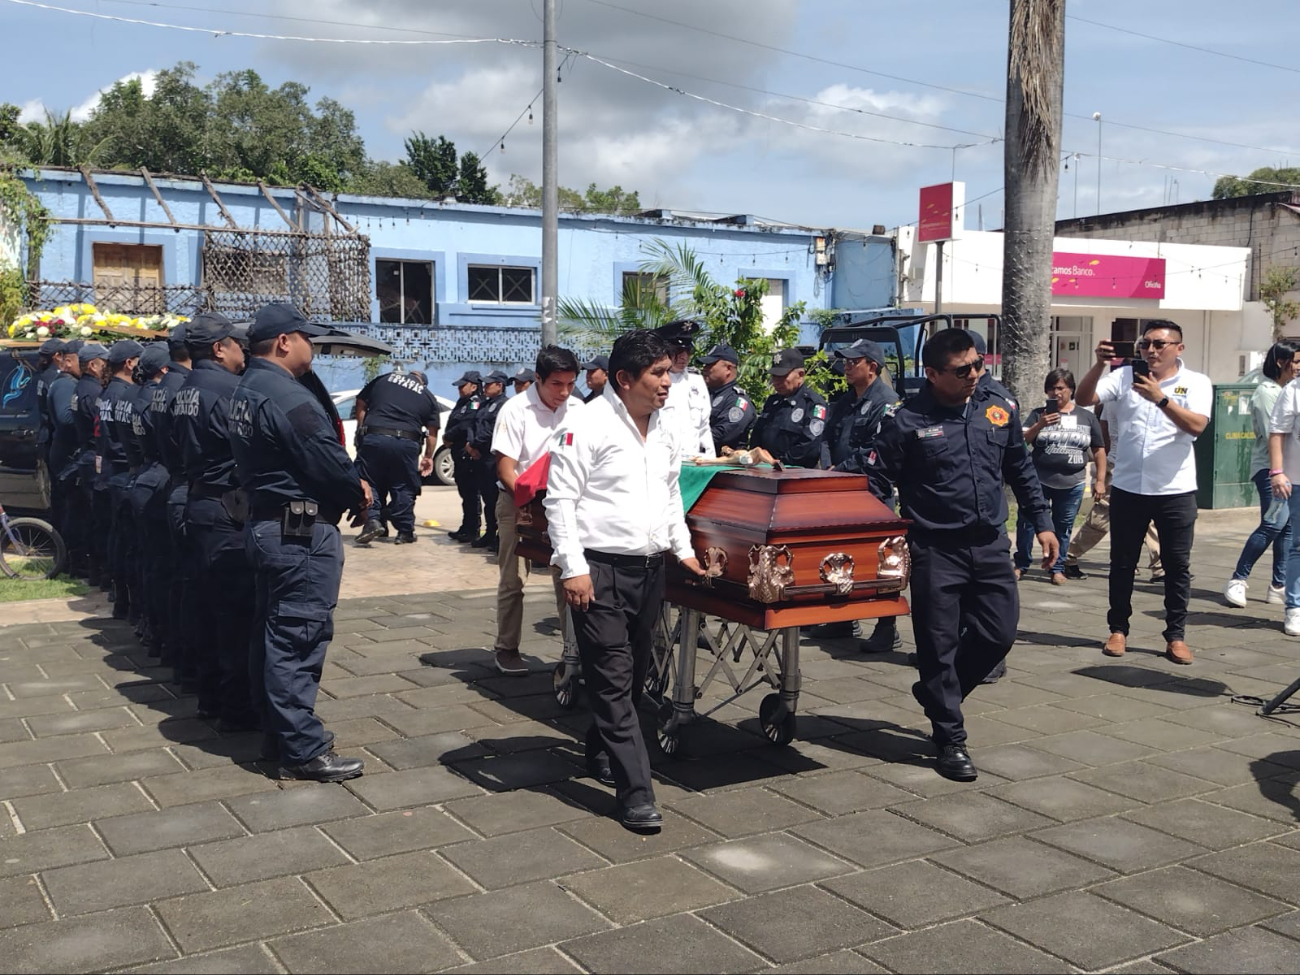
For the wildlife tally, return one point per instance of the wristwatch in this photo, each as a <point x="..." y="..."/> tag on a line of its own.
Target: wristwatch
<point x="1163" y="403"/>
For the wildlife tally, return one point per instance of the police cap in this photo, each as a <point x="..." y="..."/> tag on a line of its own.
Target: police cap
<point x="597" y="362"/>
<point x="721" y="353"/>
<point x="525" y="376"/>
<point x="978" y="339"/>
<point x="208" y="328"/>
<point x="73" y="347"/>
<point x="176" y="338"/>
<point x="155" y="358"/>
<point x="471" y="376"/>
<point x="280" y="318"/>
<point x="90" y="352"/>
<point x="786" y="361"/>
<point x="124" y="350"/>
<point x="863" y="349"/>
<point x="496" y="376"/>
<point x="53" y="347"/>
<point x="680" y="333"/>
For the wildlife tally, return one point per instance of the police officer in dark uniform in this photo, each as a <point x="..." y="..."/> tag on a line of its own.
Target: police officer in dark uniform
<point x="950" y="450"/>
<point x="850" y="437"/>
<point x="480" y="449"/>
<point x="116" y="404"/>
<point x="460" y="424"/>
<point x="91" y="535"/>
<point x="59" y="403"/>
<point x="792" y="425"/>
<point x="300" y="482"/>
<point x="732" y="412"/>
<point x="523" y="379"/>
<point x="396" y="412"/>
<point x="149" y="503"/>
<point x="215" y="512"/>
<point x="177" y="556"/>
<point x="48" y="368"/>
<point x="597" y="376"/>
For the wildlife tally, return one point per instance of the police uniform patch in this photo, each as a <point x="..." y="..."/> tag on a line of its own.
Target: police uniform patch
<point x="819" y="412"/>
<point x="742" y="404"/>
<point x="929" y="433"/>
<point x="797" y="415"/>
<point x="892" y="410"/>
<point x="816" y="427"/>
<point x="997" y="416"/>
<point x="735" y="413"/>
<point x="474" y="404"/>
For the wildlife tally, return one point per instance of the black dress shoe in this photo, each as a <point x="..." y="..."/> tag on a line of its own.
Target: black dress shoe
<point x="835" y="631"/>
<point x="405" y="538"/>
<point x="459" y="535"/>
<point x="369" y="533"/>
<point x="1074" y="572"/>
<point x="954" y="763"/>
<point x="642" y="819"/>
<point x="601" y="772"/>
<point x="325" y="767"/>
<point x="883" y="639"/>
<point x="271" y="746"/>
<point x="484" y="541"/>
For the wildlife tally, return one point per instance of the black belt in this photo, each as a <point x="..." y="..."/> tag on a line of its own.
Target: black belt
<point x="386" y="432"/>
<point x="274" y="511"/>
<point x="198" y="489"/>
<point x="625" y="561"/>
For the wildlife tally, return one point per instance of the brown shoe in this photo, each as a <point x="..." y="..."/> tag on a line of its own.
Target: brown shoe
<point x="510" y="663"/>
<point x="1116" y="645"/>
<point x="1178" y="652"/>
<point x="1058" y="578"/>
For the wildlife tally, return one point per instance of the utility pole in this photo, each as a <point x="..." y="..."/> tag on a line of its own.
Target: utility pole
<point x="550" y="179"/>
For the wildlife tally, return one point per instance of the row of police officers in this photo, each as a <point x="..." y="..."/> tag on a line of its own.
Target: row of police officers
<point x="180" y="466"/>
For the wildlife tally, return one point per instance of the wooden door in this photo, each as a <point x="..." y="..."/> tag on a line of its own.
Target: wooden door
<point x="129" y="278"/>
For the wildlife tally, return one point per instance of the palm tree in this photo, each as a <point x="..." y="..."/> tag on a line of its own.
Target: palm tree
<point x="58" y="141"/>
<point x="1035" y="77"/>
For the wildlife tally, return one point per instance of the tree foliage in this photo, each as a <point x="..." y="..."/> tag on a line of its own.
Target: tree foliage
<point x="522" y="192"/>
<point x="1279" y="281"/>
<point x="1267" y="180"/>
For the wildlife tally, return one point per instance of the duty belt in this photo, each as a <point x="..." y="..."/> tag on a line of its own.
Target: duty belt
<point x="625" y="561"/>
<point x="270" y="509"/>
<point x="387" y="432"/>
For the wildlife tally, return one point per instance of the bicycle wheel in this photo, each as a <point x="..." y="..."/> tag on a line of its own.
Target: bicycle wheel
<point x="31" y="549"/>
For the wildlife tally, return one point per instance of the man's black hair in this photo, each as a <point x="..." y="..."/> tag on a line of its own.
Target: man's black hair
<point x="263" y="347"/>
<point x="944" y="345"/>
<point x="1059" y="376"/>
<point x="637" y="351"/>
<point x="1156" y="323"/>
<point x="551" y="359"/>
<point x="1278" y="356"/>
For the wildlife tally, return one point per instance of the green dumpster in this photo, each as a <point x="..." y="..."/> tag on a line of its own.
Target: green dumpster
<point x="1223" y="451"/>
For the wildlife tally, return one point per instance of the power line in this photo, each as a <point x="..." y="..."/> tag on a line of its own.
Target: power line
<point x="1189" y="47"/>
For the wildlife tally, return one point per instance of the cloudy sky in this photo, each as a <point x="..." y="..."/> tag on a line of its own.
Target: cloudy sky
<point x="896" y="86"/>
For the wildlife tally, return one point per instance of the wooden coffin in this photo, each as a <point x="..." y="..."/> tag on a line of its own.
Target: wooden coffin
<point x="782" y="548"/>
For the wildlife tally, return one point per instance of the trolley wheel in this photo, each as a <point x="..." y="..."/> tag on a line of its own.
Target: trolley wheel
<point x="565" y="686"/>
<point x="779" y="732"/>
<point x="669" y="740"/>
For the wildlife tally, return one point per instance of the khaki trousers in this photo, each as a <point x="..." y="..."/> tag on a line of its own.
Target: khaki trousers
<point x="510" y="587"/>
<point x="1097" y="526"/>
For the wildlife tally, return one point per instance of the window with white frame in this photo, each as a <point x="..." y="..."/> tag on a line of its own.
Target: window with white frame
<point x="502" y="285"/>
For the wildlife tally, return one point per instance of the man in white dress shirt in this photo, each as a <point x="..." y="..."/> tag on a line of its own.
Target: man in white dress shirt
<point x="689" y="404"/>
<point x="521" y="437"/>
<point x="1156" y="409"/>
<point x="614" y="510"/>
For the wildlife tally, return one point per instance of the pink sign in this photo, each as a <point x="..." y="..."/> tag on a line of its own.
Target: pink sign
<point x="940" y="212"/>
<point x="1107" y="276"/>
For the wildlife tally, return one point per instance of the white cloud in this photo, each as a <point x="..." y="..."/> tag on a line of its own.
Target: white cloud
<point x="34" y="110"/>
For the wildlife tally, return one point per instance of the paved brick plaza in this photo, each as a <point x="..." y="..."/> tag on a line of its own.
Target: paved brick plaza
<point x="1128" y="815"/>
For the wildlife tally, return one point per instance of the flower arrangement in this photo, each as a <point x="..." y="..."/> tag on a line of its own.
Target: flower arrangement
<point x="84" y="321"/>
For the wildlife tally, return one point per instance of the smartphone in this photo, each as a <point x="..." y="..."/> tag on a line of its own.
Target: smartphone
<point x="1051" y="407"/>
<point x="1123" y="349"/>
<point x="1140" y="367"/>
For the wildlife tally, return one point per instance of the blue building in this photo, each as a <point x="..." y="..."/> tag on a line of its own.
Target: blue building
<point x="448" y="284"/>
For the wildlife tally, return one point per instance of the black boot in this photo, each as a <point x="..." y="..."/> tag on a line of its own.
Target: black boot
<point x="884" y="638"/>
<point x="369" y="533"/>
<point x="326" y="767"/>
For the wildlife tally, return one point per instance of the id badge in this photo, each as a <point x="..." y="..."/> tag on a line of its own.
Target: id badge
<point x="1069" y="422"/>
<point x="99" y="464"/>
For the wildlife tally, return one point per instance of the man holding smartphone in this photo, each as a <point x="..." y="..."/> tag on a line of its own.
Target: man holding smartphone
<point x="1156" y="409"/>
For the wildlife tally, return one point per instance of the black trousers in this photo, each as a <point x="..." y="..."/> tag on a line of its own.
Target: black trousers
<point x="488" y="491"/>
<point x="223" y="609"/>
<point x="965" y="608"/>
<point x="392" y="466"/>
<point x="467" y="484"/>
<point x="1174" y="516"/>
<point x="614" y="642"/>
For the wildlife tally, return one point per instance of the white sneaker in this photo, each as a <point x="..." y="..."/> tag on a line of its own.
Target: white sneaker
<point x="1235" y="593"/>
<point x="1292" y="625"/>
<point x="1276" y="595"/>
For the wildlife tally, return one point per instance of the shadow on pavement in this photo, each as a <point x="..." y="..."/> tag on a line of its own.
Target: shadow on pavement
<point x="1279" y="790"/>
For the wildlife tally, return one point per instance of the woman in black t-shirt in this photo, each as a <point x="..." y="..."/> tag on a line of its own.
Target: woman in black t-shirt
<point x="1064" y="437"/>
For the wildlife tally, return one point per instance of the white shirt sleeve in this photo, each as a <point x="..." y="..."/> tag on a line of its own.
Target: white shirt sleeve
<point x="1110" y="388"/>
<point x="1200" y="396"/>
<point x="679" y="536"/>
<point x="508" y="432"/>
<point x="704" y="432"/>
<point x="1285" y="410"/>
<point x="565" y="484"/>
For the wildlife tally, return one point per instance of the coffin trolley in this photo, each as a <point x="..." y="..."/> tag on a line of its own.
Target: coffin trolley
<point x="782" y="549"/>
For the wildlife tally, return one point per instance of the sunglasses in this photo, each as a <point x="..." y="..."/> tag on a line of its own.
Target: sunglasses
<point x="1156" y="344"/>
<point x="961" y="372"/>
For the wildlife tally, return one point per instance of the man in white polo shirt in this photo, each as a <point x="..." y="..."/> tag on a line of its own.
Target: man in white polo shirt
<point x="521" y="437"/>
<point x="1156" y="409"/>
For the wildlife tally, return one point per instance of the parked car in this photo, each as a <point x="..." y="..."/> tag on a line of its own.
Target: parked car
<point x="443" y="464"/>
<point x="24" y="481"/>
